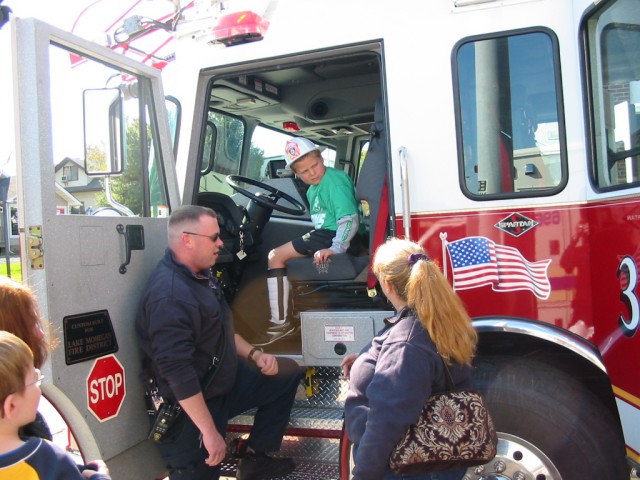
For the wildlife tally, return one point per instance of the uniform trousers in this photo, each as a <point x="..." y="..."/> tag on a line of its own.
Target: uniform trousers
<point x="272" y="395"/>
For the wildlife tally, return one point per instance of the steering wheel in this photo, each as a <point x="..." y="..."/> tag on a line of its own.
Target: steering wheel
<point x="266" y="201"/>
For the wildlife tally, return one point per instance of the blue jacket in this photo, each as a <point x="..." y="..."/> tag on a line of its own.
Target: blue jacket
<point x="179" y="328"/>
<point x="40" y="459"/>
<point x="389" y="383"/>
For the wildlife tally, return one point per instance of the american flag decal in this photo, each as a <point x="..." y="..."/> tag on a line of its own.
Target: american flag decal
<point x="478" y="261"/>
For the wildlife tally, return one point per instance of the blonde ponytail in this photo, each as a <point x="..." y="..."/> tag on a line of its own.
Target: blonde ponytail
<point x="427" y="292"/>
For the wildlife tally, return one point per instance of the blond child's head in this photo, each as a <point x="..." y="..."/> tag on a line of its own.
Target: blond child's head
<point x="17" y="375"/>
<point x="305" y="159"/>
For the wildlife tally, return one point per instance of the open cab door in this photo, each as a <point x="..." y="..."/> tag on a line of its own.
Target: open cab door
<point x="96" y="181"/>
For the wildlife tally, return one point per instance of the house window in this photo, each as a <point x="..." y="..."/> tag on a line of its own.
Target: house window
<point x="70" y="173"/>
<point x="14" y="221"/>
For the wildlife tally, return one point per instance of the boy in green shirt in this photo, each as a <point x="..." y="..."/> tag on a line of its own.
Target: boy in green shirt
<point x="335" y="216"/>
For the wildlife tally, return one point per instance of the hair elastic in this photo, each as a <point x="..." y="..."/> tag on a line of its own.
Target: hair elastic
<point x="414" y="257"/>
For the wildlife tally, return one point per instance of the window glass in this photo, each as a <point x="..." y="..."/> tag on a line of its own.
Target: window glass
<point x="364" y="149"/>
<point x="154" y="171"/>
<point x="106" y="154"/>
<point x="613" y="42"/>
<point x="265" y="161"/>
<point x="174" y="114"/>
<point x="225" y="135"/>
<point x="511" y="133"/>
<point x="12" y="224"/>
<point x="267" y="154"/>
<point x="14" y="221"/>
<point x="70" y="173"/>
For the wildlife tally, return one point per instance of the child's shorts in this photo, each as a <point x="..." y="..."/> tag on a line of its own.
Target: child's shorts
<point x="313" y="241"/>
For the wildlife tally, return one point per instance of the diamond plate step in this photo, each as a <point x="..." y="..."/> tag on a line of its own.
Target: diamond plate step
<point x="302" y="472"/>
<point x="321" y="412"/>
<point x="304" y="421"/>
<point x="313" y="433"/>
<point x="316" y="458"/>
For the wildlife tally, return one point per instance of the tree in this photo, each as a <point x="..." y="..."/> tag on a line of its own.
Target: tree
<point x="256" y="160"/>
<point x="95" y="159"/>
<point x="127" y="188"/>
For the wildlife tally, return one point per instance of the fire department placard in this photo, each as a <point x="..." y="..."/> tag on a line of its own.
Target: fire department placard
<point x="88" y="335"/>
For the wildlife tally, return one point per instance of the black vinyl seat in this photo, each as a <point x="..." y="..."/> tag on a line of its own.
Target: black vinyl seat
<point x="230" y="219"/>
<point x="342" y="266"/>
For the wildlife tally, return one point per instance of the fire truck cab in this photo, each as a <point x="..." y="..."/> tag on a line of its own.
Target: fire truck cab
<point x="502" y="138"/>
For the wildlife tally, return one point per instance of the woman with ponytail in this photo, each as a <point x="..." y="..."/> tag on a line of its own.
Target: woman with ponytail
<point x="393" y="376"/>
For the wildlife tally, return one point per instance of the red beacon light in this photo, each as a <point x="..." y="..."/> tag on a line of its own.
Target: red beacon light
<point x="239" y="27"/>
<point x="160" y="64"/>
<point x="290" y="127"/>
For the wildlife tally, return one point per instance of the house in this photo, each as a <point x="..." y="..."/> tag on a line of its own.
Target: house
<point x="73" y="179"/>
<point x="8" y="202"/>
<point x="76" y="193"/>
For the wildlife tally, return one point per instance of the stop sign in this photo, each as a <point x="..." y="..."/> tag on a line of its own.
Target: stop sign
<point x="106" y="388"/>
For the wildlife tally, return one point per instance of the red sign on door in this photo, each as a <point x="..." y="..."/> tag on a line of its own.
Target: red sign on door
<point x="106" y="388"/>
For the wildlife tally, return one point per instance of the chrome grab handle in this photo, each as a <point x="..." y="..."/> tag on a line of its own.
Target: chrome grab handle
<point x="404" y="178"/>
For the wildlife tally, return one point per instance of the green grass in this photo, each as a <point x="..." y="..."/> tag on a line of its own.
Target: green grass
<point x="16" y="271"/>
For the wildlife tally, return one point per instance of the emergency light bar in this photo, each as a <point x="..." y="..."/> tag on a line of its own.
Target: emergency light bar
<point x="239" y="27"/>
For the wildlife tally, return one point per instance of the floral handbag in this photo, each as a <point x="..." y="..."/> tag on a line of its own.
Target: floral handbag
<point x="454" y="431"/>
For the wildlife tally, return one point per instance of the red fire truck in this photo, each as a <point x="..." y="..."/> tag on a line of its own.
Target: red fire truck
<point x="503" y="135"/>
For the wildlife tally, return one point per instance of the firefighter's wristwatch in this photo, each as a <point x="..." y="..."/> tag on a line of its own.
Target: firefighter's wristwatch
<point x="252" y="351"/>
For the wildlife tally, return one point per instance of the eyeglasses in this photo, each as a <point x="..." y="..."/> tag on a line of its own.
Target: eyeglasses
<point x="214" y="238"/>
<point x="38" y="382"/>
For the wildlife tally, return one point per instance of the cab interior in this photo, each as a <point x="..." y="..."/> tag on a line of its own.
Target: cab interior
<point x="335" y="100"/>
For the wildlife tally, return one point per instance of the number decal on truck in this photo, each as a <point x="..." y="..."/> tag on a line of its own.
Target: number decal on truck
<point x="627" y="268"/>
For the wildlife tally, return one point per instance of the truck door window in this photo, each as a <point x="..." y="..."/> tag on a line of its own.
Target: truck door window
<point x="225" y="135"/>
<point x="174" y="114"/>
<point x="107" y="160"/>
<point x="612" y="41"/>
<point x="510" y="129"/>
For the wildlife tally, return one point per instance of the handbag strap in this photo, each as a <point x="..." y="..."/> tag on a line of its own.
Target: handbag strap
<point x="447" y="374"/>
